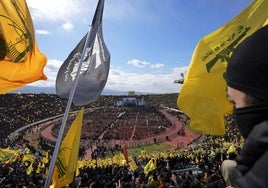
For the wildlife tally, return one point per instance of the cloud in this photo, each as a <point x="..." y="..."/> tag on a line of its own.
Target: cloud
<point x="50" y="70"/>
<point x="116" y="72"/>
<point x="42" y="32"/>
<point x="157" y="65"/>
<point x="150" y="83"/>
<point x="67" y="26"/>
<point x="60" y="10"/>
<point x="138" y="63"/>
<point x="125" y="81"/>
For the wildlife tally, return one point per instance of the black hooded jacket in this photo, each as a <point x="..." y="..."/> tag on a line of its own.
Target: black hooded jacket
<point x="252" y="163"/>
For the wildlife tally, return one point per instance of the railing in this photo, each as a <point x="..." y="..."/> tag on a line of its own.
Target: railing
<point x="195" y="170"/>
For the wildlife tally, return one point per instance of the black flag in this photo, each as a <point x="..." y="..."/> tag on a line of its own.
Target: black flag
<point x="95" y="66"/>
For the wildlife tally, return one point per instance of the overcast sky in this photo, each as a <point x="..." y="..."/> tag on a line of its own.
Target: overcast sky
<point x="151" y="41"/>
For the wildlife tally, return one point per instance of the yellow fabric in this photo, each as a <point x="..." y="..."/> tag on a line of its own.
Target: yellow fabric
<point x="20" y="60"/>
<point x="29" y="169"/>
<point x="149" y="167"/>
<point x="67" y="160"/>
<point x="231" y="149"/>
<point x="203" y="94"/>
<point x="8" y="155"/>
<point x="132" y="164"/>
<point x="46" y="158"/>
<point x="39" y="168"/>
<point x="27" y="157"/>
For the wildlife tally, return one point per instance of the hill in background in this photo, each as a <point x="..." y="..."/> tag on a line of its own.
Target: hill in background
<point x="52" y="90"/>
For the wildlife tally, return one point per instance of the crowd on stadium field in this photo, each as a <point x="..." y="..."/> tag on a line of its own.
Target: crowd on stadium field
<point x="201" y="169"/>
<point x="196" y="166"/>
<point x="18" y="110"/>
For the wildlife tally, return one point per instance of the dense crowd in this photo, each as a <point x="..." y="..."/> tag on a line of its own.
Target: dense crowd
<point x="196" y="166"/>
<point x="199" y="165"/>
<point x="18" y="110"/>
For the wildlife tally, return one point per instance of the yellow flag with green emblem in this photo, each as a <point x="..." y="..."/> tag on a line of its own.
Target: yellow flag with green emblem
<point x="8" y="155"/>
<point x="149" y="166"/>
<point x="21" y="62"/>
<point x="67" y="160"/>
<point x="203" y="94"/>
<point x="132" y="165"/>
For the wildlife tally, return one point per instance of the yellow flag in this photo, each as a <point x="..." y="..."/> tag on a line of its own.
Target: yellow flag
<point x="39" y="167"/>
<point x="203" y="94"/>
<point x="149" y="166"/>
<point x="132" y="165"/>
<point x="28" y="157"/>
<point x="231" y="149"/>
<point x="67" y="160"/>
<point x="29" y="169"/>
<point x="20" y="60"/>
<point x="46" y="158"/>
<point x="8" y="155"/>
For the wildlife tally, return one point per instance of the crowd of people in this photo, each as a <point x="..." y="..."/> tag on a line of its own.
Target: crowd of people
<point x="197" y="166"/>
<point x="205" y="156"/>
<point x="18" y="110"/>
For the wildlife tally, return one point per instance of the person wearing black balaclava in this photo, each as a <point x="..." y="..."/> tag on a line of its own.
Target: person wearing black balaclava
<point x="247" y="89"/>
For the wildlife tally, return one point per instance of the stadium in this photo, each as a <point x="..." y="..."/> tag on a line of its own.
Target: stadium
<point x="108" y="130"/>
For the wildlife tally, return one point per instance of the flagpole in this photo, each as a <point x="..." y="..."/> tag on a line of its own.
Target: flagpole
<point x="65" y="117"/>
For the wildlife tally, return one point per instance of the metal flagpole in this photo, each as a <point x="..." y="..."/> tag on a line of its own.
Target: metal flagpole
<point x="65" y="117"/>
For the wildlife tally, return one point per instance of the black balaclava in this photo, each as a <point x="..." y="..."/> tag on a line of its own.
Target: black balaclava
<point x="247" y="71"/>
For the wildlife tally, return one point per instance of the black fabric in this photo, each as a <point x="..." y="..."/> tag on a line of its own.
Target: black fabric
<point x="252" y="163"/>
<point x="247" y="117"/>
<point x="247" y="69"/>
